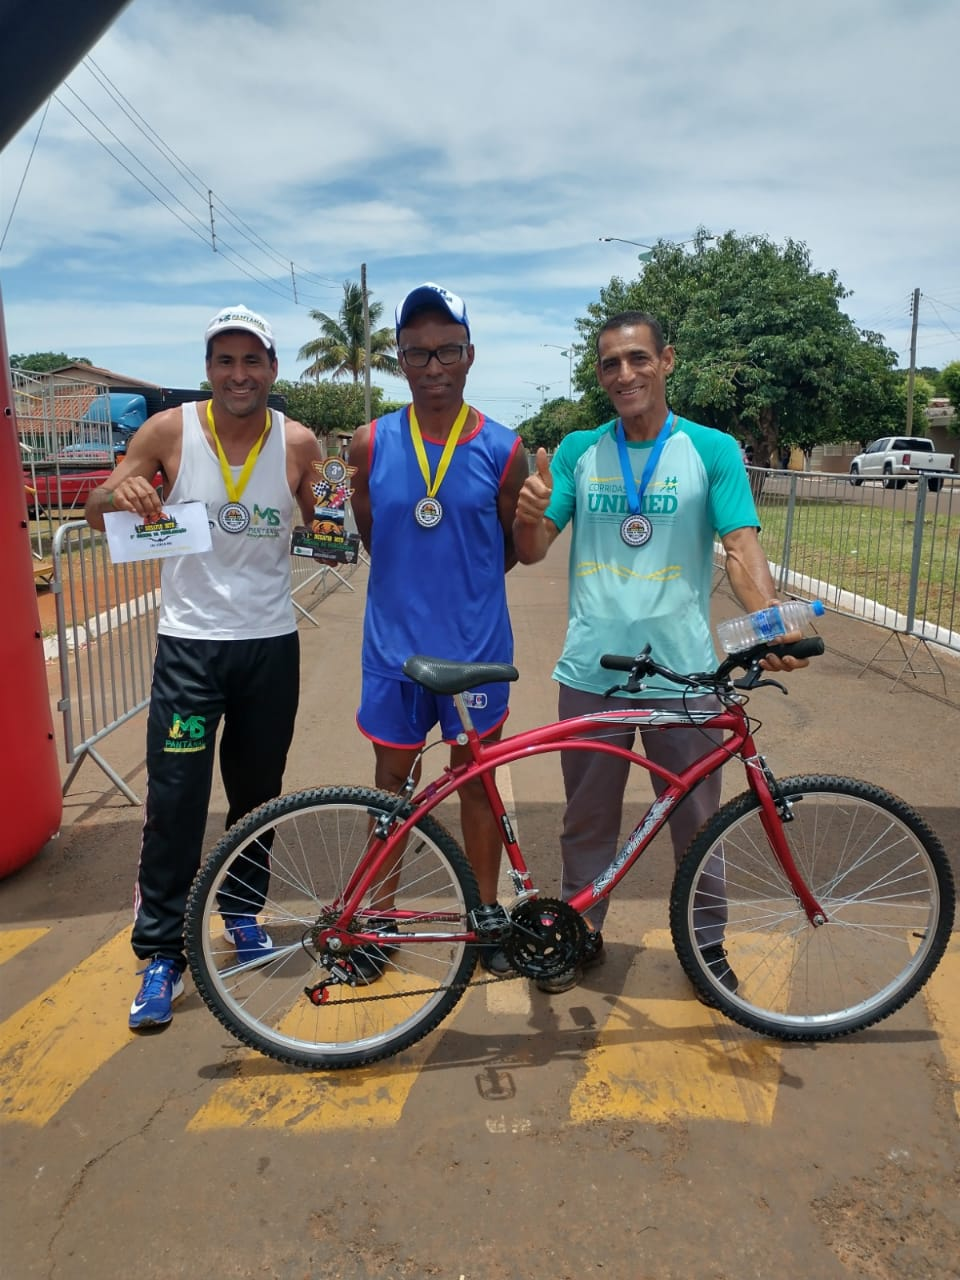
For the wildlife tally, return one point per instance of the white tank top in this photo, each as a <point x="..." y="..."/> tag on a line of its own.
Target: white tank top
<point x="240" y="588"/>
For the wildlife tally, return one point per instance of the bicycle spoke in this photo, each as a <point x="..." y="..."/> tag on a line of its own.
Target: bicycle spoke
<point x="878" y="872"/>
<point x="315" y="842"/>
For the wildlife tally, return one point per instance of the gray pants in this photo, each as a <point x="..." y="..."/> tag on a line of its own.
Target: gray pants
<point x="595" y="783"/>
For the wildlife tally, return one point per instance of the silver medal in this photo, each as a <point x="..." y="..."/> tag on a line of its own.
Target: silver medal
<point x="428" y="513"/>
<point x="636" y="530"/>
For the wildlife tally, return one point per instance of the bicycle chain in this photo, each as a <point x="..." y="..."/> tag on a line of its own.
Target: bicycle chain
<point x="561" y="918"/>
<point x="427" y="991"/>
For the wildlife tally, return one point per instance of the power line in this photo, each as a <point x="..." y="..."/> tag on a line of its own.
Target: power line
<point x="260" y="277"/>
<point x="174" y="204"/>
<point x="948" y="305"/>
<point x="186" y="173"/>
<point x="26" y="170"/>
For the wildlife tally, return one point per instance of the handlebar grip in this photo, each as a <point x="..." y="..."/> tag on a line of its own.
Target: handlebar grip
<point x="808" y="647"/>
<point x="617" y="662"/>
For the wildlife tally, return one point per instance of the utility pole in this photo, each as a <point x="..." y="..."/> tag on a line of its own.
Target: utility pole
<point x="366" y="342"/>
<point x="915" y="309"/>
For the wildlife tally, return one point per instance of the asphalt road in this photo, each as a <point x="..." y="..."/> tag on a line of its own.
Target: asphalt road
<point x="619" y="1130"/>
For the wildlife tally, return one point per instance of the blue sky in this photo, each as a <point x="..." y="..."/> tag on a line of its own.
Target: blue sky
<point x="486" y="147"/>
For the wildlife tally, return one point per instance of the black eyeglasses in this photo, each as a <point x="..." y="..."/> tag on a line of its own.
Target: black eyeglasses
<point x="420" y="357"/>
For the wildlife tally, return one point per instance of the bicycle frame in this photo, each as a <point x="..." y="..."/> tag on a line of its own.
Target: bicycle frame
<point x="571" y="735"/>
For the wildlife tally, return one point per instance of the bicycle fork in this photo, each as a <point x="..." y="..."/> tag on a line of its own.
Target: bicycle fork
<point x="775" y="813"/>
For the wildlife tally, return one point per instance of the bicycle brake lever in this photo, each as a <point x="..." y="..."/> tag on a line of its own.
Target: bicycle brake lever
<point x="632" y="686"/>
<point x="752" y="680"/>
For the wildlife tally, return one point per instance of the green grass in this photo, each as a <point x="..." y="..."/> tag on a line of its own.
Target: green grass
<point x="868" y="551"/>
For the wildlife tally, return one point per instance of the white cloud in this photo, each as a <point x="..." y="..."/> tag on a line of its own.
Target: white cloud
<point x="488" y="147"/>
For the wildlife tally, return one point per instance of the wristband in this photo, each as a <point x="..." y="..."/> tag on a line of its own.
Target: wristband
<point x="110" y="497"/>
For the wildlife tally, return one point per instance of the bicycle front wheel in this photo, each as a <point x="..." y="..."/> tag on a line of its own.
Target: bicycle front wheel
<point x="876" y="868"/>
<point x="287" y="864"/>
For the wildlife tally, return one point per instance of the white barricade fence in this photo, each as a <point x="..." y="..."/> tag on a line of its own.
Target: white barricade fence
<point x="106" y="640"/>
<point x="887" y="555"/>
<point x="107" y="616"/>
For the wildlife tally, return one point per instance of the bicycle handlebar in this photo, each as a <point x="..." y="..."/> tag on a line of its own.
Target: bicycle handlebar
<point x="641" y="664"/>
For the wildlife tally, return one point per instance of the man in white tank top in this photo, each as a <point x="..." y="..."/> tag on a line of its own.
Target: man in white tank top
<point x="228" y="647"/>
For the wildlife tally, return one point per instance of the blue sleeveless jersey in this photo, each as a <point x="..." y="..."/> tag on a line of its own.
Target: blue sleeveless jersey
<point x="438" y="591"/>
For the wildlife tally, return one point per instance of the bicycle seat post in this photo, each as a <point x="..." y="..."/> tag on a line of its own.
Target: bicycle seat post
<point x="463" y="711"/>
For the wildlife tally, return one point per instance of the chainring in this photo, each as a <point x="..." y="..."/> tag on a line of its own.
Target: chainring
<point x="547" y="937"/>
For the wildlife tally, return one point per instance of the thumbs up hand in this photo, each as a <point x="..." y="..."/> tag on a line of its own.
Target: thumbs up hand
<point x="534" y="496"/>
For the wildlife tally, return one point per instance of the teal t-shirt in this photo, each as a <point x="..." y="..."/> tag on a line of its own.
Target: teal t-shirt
<point x="624" y="597"/>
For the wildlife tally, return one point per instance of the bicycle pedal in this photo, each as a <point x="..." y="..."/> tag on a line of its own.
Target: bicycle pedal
<point x="490" y="922"/>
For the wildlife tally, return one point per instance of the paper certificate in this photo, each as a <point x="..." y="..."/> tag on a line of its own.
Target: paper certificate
<point x="180" y="529"/>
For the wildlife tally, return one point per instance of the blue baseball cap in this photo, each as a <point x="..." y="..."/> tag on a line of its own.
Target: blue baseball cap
<point x="432" y="297"/>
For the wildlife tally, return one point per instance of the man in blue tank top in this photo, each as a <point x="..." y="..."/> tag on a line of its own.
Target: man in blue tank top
<point x="646" y="494"/>
<point x="227" y="647"/>
<point x="434" y="497"/>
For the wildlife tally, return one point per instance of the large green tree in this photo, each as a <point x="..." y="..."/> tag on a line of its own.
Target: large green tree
<point x="553" y="421"/>
<point x="764" y="350"/>
<point x="340" y="349"/>
<point x="328" y="408"/>
<point x="949" y="383"/>
<point x="46" y="361"/>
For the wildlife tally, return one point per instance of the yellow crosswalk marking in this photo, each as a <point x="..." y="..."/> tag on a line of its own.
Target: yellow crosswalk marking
<point x="265" y="1096"/>
<point x="661" y="1055"/>
<point x="16" y="940"/>
<point x="276" y="1097"/>
<point x="942" y="995"/>
<point x="664" y="1055"/>
<point x="54" y="1044"/>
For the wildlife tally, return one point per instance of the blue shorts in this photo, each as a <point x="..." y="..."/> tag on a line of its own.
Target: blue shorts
<point x="399" y="713"/>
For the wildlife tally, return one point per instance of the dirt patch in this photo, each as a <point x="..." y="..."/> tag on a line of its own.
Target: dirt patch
<point x="889" y="1227"/>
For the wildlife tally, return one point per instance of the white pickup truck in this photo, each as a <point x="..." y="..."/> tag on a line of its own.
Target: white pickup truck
<point x="896" y="459"/>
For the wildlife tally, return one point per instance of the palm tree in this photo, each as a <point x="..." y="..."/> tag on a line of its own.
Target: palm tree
<point x="340" y="350"/>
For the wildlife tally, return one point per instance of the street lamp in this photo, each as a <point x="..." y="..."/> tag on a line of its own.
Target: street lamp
<point x="543" y="388"/>
<point x="568" y="352"/>
<point x="643" y="257"/>
<point x="673" y="244"/>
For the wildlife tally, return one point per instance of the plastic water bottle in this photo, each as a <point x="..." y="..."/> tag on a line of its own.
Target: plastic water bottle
<point x="749" y="629"/>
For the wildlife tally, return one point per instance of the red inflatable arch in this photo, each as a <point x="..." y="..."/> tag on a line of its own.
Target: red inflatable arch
<point x="38" y="54"/>
<point x="31" y="802"/>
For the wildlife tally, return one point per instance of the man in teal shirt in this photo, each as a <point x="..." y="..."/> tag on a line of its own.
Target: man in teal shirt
<point x="647" y="494"/>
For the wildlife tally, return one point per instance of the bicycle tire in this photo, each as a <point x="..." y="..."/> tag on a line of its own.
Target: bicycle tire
<point x="318" y="838"/>
<point x="877" y="869"/>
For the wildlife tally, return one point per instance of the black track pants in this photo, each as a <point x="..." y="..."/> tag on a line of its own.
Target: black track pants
<point x="253" y="687"/>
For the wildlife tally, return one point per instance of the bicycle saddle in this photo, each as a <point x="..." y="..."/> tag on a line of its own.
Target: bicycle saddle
<point x="440" y="675"/>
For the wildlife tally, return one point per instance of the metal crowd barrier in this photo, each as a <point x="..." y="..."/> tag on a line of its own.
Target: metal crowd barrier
<point x="890" y="556"/>
<point x="107" y="636"/>
<point x="321" y="579"/>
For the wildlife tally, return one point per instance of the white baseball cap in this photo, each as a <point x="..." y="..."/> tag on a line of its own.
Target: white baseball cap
<point x="240" y="318"/>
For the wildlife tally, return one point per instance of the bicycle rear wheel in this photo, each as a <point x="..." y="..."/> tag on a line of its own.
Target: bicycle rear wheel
<point x="881" y="876"/>
<point x="313" y="841"/>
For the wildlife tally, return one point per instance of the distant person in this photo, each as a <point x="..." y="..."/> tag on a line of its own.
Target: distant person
<point x="434" y="496"/>
<point x="785" y="458"/>
<point x="227" y="646"/>
<point x="639" y="574"/>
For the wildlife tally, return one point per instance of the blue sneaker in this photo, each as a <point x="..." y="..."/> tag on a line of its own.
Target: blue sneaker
<point x="252" y="941"/>
<point x="162" y="984"/>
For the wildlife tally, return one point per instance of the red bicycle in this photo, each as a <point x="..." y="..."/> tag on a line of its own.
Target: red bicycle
<point x="833" y="899"/>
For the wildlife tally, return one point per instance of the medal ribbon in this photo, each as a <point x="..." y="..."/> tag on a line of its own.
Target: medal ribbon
<point x="635" y="493"/>
<point x="235" y="489"/>
<point x="445" y="457"/>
